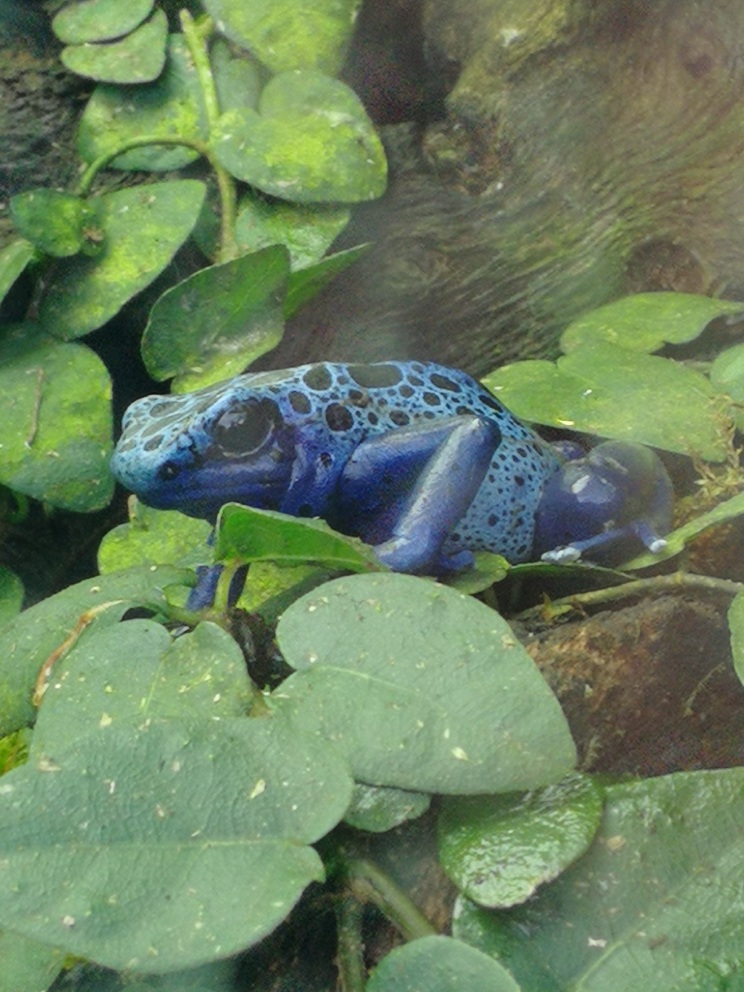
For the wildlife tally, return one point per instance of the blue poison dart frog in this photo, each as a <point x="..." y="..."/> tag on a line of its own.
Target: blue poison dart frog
<point x="418" y="460"/>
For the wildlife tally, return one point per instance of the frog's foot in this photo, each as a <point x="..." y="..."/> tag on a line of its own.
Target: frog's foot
<point x="405" y="555"/>
<point x="207" y="577"/>
<point x="639" y="529"/>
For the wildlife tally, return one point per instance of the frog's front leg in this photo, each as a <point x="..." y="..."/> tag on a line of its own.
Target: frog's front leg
<point x="405" y="491"/>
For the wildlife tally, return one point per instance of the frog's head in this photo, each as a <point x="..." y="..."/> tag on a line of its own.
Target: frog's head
<point x="196" y="451"/>
<point x="604" y="504"/>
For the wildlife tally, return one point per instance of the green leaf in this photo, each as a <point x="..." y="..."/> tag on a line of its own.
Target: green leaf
<point x="213" y="324"/>
<point x="143" y="227"/>
<point x="289" y="34"/>
<point x="55" y="434"/>
<point x="499" y="849"/>
<point x="422" y="688"/>
<point x="310" y="142"/>
<point x="617" y="393"/>
<point x="656" y="903"/>
<point x="31" y="638"/>
<point x="305" y="230"/>
<point x="11" y="595"/>
<point x="678" y="540"/>
<point x="727" y="375"/>
<point x="13" y="260"/>
<point x="155" y="537"/>
<point x="248" y="535"/>
<point x="377" y="809"/>
<point x="28" y="966"/>
<point x="238" y="80"/>
<point x="306" y="283"/>
<point x="170" y="107"/>
<point x="736" y="625"/>
<point x="488" y="569"/>
<point x="200" y="674"/>
<point x="99" y="20"/>
<point x="646" y="321"/>
<point x="182" y="841"/>
<point x="53" y="221"/>
<point x="137" y="58"/>
<point x="439" y="964"/>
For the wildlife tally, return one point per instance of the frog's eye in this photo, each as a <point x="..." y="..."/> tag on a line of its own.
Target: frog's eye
<point x="245" y="429"/>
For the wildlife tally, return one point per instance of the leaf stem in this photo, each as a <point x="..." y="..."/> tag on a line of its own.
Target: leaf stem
<point x="349" y="957"/>
<point x="370" y="884"/>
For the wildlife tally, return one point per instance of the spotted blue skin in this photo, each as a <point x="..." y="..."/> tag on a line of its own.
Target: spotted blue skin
<point x="417" y="459"/>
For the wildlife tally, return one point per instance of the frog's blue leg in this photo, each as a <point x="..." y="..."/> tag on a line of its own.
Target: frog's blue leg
<point x="207" y="577"/>
<point x="405" y="491"/>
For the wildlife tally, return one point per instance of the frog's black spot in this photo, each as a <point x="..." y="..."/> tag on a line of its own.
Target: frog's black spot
<point x="246" y="427"/>
<point x="400" y="418"/>
<point x="518" y="480"/>
<point x="318" y="378"/>
<point x="372" y="418"/>
<point x="415" y="381"/>
<point x="338" y="417"/>
<point x="429" y="414"/>
<point x="375" y="376"/>
<point x="326" y="459"/>
<point x="406" y="391"/>
<point x="455" y="537"/>
<point x="522" y="452"/>
<point x="493" y="520"/>
<point x="153" y="443"/>
<point x="358" y="397"/>
<point x="442" y="382"/>
<point x="299" y="402"/>
<point x="492" y="402"/>
<point x="159" y="408"/>
<point x="463" y="411"/>
<point x="168" y="471"/>
<point x="431" y="399"/>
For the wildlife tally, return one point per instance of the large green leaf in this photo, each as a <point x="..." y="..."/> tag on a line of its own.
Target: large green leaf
<point x="377" y="808"/>
<point x="213" y="324"/>
<point x="421" y="688"/>
<point x="55" y="432"/>
<point x="249" y="535"/>
<point x="727" y="374"/>
<point x="135" y="672"/>
<point x="155" y="537"/>
<point x="142" y="228"/>
<point x="289" y="34"/>
<point x="618" y="393"/>
<point x="99" y="20"/>
<point x="736" y="624"/>
<point x="30" y="639"/>
<point x="657" y="902"/>
<point x="646" y="321"/>
<point x="499" y="849"/>
<point x="170" y="107"/>
<point x="168" y="844"/>
<point x="439" y="964"/>
<point x="137" y="58"/>
<point x="307" y="282"/>
<point x="310" y="142"/>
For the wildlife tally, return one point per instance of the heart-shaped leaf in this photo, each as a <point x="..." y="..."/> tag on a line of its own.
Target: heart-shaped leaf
<point x="618" y="393"/>
<point x="155" y="537"/>
<point x="51" y="220"/>
<point x="420" y="687"/>
<point x="142" y="227"/>
<point x="13" y="260"/>
<point x="310" y="142"/>
<point x="306" y="231"/>
<point x="99" y="20"/>
<point x="170" y="107"/>
<point x="55" y="437"/>
<point x="289" y="34"/>
<point x="137" y="58"/>
<point x="439" y="964"/>
<point x="213" y="324"/>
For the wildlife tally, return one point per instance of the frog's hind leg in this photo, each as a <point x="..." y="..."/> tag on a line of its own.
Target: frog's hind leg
<point x="405" y="491"/>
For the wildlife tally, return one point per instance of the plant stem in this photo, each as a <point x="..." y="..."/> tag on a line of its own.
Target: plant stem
<point x="370" y="884"/>
<point x="351" y="970"/>
<point x="197" y="45"/>
<point x="678" y="581"/>
<point x="104" y="160"/>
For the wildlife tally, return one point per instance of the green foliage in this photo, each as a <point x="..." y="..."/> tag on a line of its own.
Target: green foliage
<point x="166" y="816"/>
<point x="655" y="903"/>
